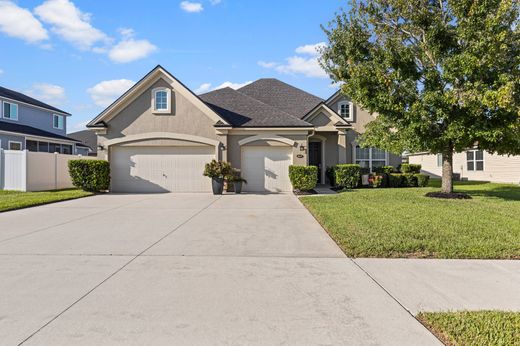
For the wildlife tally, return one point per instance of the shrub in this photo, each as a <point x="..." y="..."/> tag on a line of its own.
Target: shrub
<point x="217" y="169"/>
<point x="348" y="175"/>
<point x="303" y="178"/>
<point x="384" y="169"/>
<point x="396" y="180"/>
<point x="410" y="168"/>
<point x="410" y="180"/>
<point x="331" y="175"/>
<point x="90" y="175"/>
<point x="422" y="180"/>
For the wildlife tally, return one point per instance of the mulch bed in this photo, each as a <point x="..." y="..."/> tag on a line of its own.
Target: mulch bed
<point x="453" y="195"/>
<point x="304" y="193"/>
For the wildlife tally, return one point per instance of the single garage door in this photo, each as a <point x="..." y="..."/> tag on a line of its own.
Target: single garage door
<point x="266" y="168"/>
<point x="160" y="169"/>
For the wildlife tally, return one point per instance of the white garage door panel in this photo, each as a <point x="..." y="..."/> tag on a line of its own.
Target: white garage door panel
<point x="266" y="168"/>
<point x="160" y="169"/>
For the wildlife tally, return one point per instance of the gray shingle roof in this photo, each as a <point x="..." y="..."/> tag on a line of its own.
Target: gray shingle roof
<point x="281" y="95"/>
<point x="87" y="137"/>
<point x="16" y="96"/>
<point x="241" y="110"/>
<point x="29" y="130"/>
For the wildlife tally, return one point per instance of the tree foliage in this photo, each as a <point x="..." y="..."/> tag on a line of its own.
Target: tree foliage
<point x="441" y="75"/>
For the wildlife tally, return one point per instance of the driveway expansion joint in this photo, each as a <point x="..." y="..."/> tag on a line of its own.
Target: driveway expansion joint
<point x="117" y="271"/>
<point x="393" y="297"/>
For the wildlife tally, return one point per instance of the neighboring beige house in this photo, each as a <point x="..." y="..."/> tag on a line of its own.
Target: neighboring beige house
<point x="159" y="134"/>
<point x="473" y="164"/>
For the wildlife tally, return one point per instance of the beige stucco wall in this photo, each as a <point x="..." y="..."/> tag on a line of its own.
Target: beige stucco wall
<point x="138" y="118"/>
<point x="234" y="152"/>
<point x="361" y="119"/>
<point x="497" y="168"/>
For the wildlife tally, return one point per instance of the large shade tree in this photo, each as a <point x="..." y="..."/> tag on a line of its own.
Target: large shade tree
<point x="442" y="76"/>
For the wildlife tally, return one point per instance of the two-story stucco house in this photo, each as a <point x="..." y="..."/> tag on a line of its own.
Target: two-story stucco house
<point x="159" y="134"/>
<point x="26" y="123"/>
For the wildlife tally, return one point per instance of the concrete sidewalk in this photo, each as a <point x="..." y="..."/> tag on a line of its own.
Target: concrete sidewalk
<point x="442" y="285"/>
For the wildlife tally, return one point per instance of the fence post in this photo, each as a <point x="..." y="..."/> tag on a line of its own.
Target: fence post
<point x="1" y="169"/>
<point x="55" y="170"/>
<point x="24" y="170"/>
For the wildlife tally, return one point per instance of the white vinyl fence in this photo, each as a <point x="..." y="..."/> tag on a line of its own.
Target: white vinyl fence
<point x="35" y="171"/>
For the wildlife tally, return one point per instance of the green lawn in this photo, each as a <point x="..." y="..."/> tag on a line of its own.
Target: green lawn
<point x="404" y="223"/>
<point x="10" y="200"/>
<point x="474" y="327"/>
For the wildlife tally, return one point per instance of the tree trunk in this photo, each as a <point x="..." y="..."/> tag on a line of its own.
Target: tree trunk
<point x="447" y="171"/>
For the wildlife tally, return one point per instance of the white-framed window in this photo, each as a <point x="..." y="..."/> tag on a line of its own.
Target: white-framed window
<point x="439" y="160"/>
<point x="370" y="158"/>
<point x="346" y="110"/>
<point x="161" y="100"/>
<point x="475" y="160"/>
<point x="10" y="110"/>
<point x="13" y="145"/>
<point x="58" y="121"/>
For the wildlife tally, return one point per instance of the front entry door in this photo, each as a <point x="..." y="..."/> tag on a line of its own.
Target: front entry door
<point x="315" y="157"/>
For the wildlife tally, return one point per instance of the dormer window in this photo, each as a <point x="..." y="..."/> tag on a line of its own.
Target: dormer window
<point x="10" y="111"/>
<point x="161" y="100"/>
<point x="346" y="110"/>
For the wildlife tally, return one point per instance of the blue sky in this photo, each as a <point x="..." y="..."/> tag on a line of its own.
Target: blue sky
<point x="80" y="55"/>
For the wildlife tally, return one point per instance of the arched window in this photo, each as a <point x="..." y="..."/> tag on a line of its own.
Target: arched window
<point x="161" y="100"/>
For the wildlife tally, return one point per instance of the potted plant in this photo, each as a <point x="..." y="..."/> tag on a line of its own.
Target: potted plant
<point x="217" y="171"/>
<point x="237" y="181"/>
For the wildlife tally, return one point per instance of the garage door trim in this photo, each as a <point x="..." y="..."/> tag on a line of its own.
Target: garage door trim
<point x="166" y="135"/>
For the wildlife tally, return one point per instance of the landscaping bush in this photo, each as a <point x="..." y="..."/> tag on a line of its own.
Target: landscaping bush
<point x="348" y="175"/>
<point x="410" y="168"/>
<point x="422" y="180"/>
<point x="396" y="180"/>
<point x="303" y="178"/>
<point x="90" y="175"/>
<point x="410" y="180"/>
<point x="331" y="175"/>
<point x="384" y="169"/>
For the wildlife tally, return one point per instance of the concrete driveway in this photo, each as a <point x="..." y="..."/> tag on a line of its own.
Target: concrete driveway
<point x="187" y="269"/>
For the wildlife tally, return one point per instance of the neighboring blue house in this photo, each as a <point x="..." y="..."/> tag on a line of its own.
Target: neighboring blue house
<point x="26" y="123"/>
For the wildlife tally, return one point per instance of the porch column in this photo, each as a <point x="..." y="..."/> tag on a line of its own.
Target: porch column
<point x="342" y="146"/>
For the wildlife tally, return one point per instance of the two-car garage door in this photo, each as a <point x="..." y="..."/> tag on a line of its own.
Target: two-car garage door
<point x="160" y="169"/>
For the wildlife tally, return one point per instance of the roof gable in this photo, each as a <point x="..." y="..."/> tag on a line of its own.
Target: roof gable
<point x="281" y="95"/>
<point x="138" y="88"/>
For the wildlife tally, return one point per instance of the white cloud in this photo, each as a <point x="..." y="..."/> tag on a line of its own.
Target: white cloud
<point x="232" y="85"/>
<point x="266" y="64"/>
<point x="106" y="92"/>
<point x="310" y="49"/>
<point x="191" y="7"/>
<point x="70" y="23"/>
<point x="20" y="23"/>
<point x="298" y="64"/>
<point x="204" y="87"/>
<point x="130" y="50"/>
<point x="50" y="93"/>
<point x="126" y="32"/>
<point x="309" y="67"/>
<point x="215" y="2"/>
<point x="1" y="72"/>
